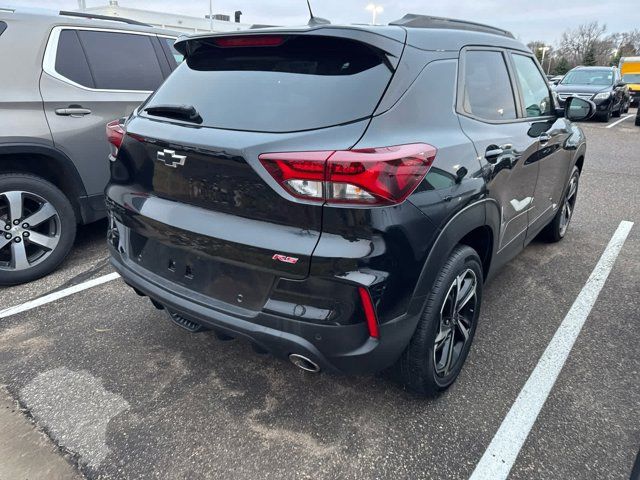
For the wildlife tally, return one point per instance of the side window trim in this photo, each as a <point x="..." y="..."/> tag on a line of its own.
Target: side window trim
<point x="461" y="82"/>
<point x="513" y="75"/>
<point x="50" y="53"/>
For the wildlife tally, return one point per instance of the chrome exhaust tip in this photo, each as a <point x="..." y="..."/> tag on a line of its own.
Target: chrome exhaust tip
<point x="304" y="363"/>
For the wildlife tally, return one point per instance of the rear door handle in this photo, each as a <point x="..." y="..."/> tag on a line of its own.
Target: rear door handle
<point x="73" y="112"/>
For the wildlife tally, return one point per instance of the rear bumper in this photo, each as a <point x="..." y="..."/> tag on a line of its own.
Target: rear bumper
<point x="337" y="349"/>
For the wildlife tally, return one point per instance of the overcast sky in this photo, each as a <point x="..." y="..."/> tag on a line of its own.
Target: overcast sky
<point x="527" y="19"/>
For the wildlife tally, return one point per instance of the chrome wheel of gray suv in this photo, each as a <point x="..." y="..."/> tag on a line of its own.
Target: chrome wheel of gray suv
<point x="30" y="230"/>
<point x="37" y="227"/>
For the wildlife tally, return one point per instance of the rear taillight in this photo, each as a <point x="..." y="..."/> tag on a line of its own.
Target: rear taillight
<point x="372" y="176"/>
<point x="115" y="133"/>
<point x="249" y="41"/>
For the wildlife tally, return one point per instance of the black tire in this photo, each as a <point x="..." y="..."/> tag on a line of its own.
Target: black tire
<point x="557" y="229"/>
<point x="638" y="121"/>
<point x="604" y="116"/>
<point x="417" y="368"/>
<point x="62" y="223"/>
<point x="618" y="112"/>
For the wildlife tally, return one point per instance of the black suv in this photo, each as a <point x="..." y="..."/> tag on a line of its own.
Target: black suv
<point x="602" y="85"/>
<point x="339" y="194"/>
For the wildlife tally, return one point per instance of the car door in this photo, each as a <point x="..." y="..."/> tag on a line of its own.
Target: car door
<point x="553" y="159"/>
<point x="491" y="117"/>
<point x="92" y="76"/>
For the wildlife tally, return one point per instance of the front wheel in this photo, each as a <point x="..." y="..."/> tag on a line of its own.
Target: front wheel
<point x="557" y="229"/>
<point x="37" y="228"/>
<point x="439" y="346"/>
<point x="604" y="116"/>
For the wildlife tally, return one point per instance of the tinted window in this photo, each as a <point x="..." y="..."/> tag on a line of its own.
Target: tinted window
<point x="304" y="83"/>
<point x="3" y="27"/>
<point x="70" y="60"/>
<point x="487" y="89"/>
<point x="121" y="61"/>
<point x="533" y="86"/>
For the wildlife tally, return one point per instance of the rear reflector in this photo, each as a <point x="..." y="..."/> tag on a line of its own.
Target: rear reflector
<point x="369" y="312"/>
<point x="249" y="41"/>
<point x="115" y="133"/>
<point x="371" y="176"/>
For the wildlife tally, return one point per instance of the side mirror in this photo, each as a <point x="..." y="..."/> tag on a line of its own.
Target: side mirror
<point x="576" y="108"/>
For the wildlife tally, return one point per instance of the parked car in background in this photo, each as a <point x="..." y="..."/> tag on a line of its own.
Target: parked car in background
<point x="638" y="117"/>
<point x="327" y="219"/>
<point x="630" y="71"/>
<point x="64" y="75"/>
<point x="602" y="85"/>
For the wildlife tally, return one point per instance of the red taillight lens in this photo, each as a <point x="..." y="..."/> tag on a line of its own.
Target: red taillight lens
<point x="250" y="41"/>
<point x="369" y="312"/>
<point x="115" y="133"/>
<point x="373" y="176"/>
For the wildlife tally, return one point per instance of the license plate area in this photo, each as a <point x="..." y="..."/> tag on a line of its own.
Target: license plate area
<point x="229" y="283"/>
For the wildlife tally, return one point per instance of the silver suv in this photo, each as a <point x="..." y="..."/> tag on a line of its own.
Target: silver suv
<point x="65" y="75"/>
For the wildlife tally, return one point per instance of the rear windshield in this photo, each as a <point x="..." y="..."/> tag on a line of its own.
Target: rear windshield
<point x="307" y="82"/>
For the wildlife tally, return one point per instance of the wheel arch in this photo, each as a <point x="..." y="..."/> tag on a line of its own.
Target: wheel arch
<point x="477" y="226"/>
<point x="47" y="163"/>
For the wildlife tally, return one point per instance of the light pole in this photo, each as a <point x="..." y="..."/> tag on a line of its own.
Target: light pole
<point x="374" y="9"/>
<point x="544" y="50"/>
<point x="210" y="16"/>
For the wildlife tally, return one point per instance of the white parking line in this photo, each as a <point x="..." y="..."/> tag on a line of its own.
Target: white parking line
<point x="52" y="297"/>
<point x="618" y="121"/>
<point x="503" y="450"/>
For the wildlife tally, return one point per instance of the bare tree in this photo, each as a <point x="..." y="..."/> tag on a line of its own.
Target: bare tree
<point x="575" y="44"/>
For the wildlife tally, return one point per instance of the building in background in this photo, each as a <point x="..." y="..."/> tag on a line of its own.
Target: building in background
<point x="170" y="21"/>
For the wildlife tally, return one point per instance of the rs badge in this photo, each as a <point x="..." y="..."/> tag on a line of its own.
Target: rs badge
<point x="284" y="258"/>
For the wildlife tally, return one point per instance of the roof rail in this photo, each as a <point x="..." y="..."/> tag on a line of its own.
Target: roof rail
<point x="426" y="21"/>
<point x="102" y="17"/>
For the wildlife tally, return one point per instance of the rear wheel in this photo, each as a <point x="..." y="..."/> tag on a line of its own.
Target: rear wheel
<point x="557" y="229"/>
<point x="37" y="228"/>
<point x="439" y="346"/>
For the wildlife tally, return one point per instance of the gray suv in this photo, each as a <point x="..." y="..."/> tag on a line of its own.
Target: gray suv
<point x="69" y="73"/>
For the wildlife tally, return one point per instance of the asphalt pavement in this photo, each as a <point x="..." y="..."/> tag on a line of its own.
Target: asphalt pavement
<point x="125" y="394"/>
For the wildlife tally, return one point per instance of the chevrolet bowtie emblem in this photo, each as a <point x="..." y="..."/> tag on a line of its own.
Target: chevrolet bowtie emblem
<point x="170" y="159"/>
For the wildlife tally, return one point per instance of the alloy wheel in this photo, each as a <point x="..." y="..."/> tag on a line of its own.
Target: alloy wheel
<point x="568" y="204"/>
<point x="457" y="315"/>
<point x="30" y="230"/>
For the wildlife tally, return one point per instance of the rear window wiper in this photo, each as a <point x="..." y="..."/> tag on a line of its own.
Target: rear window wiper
<point x="188" y="113"/>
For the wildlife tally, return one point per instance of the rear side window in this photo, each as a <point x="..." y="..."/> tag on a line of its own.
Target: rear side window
<point x="70" y="60"/>
<point x="533" y="86"/>
<point x="121" y="61"/>
<point x="303" y="83"/>
<point x="487" y="90"/>
<point x="3" y="27"/>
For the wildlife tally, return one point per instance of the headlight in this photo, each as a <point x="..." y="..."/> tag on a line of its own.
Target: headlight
<point x="602" y="95"/>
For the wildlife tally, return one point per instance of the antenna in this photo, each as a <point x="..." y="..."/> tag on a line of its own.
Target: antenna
<point x="314" y="21"/>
